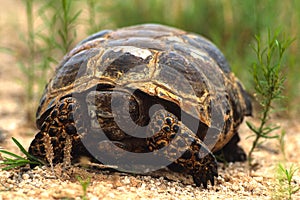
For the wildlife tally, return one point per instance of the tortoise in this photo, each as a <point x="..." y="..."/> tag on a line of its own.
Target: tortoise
<point x="141" y="98"/>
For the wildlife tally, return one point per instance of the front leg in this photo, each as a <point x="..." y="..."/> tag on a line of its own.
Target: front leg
<point x="53" y="144"/>
<point x="173" y="140"/>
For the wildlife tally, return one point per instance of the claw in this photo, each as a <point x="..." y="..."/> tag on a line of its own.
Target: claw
<point x="204" y="184"/>
<point x="212" y="181"/>
<point x="203" y="180"/>
<point x="205" y="173"/>
<point x="198" y="181"/>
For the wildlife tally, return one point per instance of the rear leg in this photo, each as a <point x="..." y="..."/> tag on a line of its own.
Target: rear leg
<point x="231" y="152"/>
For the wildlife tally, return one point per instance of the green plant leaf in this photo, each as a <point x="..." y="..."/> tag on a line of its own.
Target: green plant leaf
<point x="18" y="160"/>
<point x="29" y="156"/>
<point x="11" y="154"/>
<point x="269" y="81"/>
<point x="252" y="127"/>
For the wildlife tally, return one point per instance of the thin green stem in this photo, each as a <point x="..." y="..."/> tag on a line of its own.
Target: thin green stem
<point x="260" y="130"/>
<point x="65" y="36"/>
<point x="30" y="59"/>
<point x="92" y="16"/>
<point x="268" y="84"/>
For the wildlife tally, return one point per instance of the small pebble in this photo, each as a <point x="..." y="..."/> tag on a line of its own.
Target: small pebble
<point x="25" y="176"/>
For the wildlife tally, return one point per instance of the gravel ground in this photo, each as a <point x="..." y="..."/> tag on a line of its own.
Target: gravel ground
<point x="234" y="181"/>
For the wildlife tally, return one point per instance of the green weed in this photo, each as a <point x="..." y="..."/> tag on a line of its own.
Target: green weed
<point x="95" y="19"/>
<point x="27" y="64"/>
<point x="286" y="187"/>
<point x="41" y="46"/>
<point x="84" y="184"/>
<point x="16" y="160"/>
<point x="281" y="140"/>
<point x="65" y="17"/>
<point x="268" y="82"/>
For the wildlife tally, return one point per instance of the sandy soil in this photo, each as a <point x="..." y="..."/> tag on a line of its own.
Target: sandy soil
<point x="234" y="181"/>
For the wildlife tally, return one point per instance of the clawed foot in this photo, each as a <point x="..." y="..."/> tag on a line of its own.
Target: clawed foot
<point x="205" y="170"/>
<point x="188" y="153"/>
<point x="199" y="162"/>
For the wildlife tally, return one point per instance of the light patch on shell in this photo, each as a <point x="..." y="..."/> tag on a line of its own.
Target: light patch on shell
<point x="175" y="39"/>
<point x="138" y="52"/>
<point x="199" y="55"/>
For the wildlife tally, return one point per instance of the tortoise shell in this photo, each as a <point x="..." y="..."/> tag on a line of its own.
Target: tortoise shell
<point x="144" y="65"/>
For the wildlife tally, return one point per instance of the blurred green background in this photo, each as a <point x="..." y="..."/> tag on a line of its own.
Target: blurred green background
<point x="231" y="24"/>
